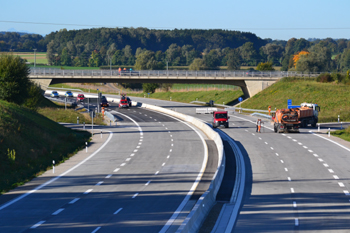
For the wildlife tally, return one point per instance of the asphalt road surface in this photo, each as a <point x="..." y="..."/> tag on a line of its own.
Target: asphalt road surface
<point x="295" y="181"/>
<point x="135" y="183"/>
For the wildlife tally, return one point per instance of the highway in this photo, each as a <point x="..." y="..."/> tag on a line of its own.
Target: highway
<point x="295" y="181"/>
<point x="139" y="178"/>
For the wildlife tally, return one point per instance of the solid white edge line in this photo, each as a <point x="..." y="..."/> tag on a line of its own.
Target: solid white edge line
<point x="344" y="147"/>
<point x="196" y="182"/>
<point x="57" y="177"/>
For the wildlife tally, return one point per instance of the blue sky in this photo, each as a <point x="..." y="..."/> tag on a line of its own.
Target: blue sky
<point x="276" y="19"/>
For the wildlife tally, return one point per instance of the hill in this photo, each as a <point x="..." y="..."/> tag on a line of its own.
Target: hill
<point x="29" y="142"/>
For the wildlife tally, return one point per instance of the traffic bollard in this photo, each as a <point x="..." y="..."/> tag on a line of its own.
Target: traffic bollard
<point x="77" y="120"/>
<point x="101" y="133"/>
<point x="86" y="146"/>
<point x="53" y="166"/>
<point x="338" y="118"/>
<point x="84" y="126"/>
<point x="329" y="132"/>
<point x="318" y="127"/>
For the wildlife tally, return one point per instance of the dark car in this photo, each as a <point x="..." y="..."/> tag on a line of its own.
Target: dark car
<point x="104" y="103"/>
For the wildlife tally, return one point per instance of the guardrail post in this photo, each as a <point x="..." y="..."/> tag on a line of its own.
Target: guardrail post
<point x="86" y="144"/>
<point x="318" y="127"/>
<point x="84" y="126"/>
<point x="329" y="132"/>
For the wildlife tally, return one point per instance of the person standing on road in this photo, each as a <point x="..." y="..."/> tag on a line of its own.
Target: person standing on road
<point x="258" y="125"/>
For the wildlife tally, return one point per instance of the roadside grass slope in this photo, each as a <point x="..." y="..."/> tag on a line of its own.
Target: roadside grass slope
<point x="29" y="142"/>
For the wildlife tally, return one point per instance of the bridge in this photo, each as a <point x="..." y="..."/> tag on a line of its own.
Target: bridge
<point x="251" y="82"/>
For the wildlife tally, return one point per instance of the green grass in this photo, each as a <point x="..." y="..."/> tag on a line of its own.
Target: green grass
<point x="29" y="142"/>
<point x="64" y="67"/>
<point x="332" y="98"/>
<point x="203" y="87"/>
<point x="343" y="134"/>
<point x="205" y="96"/>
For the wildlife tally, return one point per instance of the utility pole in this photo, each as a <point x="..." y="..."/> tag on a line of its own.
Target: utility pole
<point x="34" y="57"/>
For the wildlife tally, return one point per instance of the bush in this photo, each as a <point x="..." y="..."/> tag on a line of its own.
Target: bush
<point x="324" y="78"/>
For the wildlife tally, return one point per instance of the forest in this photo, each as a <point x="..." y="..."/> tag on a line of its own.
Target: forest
<point x="193" y="49"/>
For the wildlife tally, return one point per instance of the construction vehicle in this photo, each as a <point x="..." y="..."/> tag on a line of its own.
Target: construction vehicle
<point x="292" y="119"/>
<point x="220" y="118"/>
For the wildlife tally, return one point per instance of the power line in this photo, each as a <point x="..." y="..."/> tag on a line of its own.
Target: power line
<point x="92" y="25"/>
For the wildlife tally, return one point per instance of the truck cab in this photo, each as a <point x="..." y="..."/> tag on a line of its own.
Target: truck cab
<point x="220" y="118"/>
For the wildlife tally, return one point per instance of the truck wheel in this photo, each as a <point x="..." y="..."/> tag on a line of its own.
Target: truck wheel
<point x="214" y="126"/>
<point x="275" y="129"/>
<point x="313" y="124"/>
<point x="226" y="126"/>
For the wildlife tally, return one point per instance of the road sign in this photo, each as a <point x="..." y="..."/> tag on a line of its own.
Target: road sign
<point x="240" y="99"/>
<point x="289" y="102"/>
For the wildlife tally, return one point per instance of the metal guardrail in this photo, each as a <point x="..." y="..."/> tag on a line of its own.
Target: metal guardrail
<point x="110" y="116"/>
<point x="170" y="73"/>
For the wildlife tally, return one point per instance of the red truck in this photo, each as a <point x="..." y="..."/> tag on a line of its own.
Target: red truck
<point x="220" y="118"/>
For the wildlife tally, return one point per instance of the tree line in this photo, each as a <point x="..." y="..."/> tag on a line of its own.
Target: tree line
<point x="198" y="49"/>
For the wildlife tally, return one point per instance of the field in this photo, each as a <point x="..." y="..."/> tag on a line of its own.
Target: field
<point x="29" y="56"/>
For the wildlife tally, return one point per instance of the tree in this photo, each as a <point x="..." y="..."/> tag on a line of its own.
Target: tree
<point x="265" y="66"/>
<point x="149" y="87"/>
<point x="248" y="53"/>
<point x="233" y="60"/>
<point x="14" y="80"/>
<point x="146" y="61"/>
<point x="198" y="64"/>
<point x="65" y="58"/>
<point x="212" y="59"/>
<point x="50" y="52"/>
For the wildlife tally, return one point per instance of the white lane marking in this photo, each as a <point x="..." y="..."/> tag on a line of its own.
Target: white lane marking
<point x="283" y="134"/>
<point x="120" y="209"/>
<point x="172" y="140"/>
<point x="277" y="154"/>
<point x="145" y="115"/>
<point x="159" y="122"/>
<point x="300" y="143"/>
<point x="94" y="231"/>
<point x="282" y="161"/>
<point x="266" y="143"/>
<point x="171" y="135"/>
<point x="155" y="119"/>
<point x="170" y="150"/>
<point x="336" y="177"/>
<point x="305" y="147"/>
<point x="58" y="211"/>
<point x="37" y="224"/>
<point x="163" y="164"/>
<point x="166" y="128"/>
<point x="138" y="147"/>
<point x="330" y="140"/>
<point x="74" y="200"/>
<point x="288" y="137"/>
<point x="169" y="132"/>
<point x="168" y="156"/>
<point x="135" y="151"/>
<point x="87" y="191"/>
<point x="259" y="138"/>
<point x="315" y="155"/>
<point x="330" y="170"/>
<point x="135" y="195"/>
<point x="271" y="148"/>
<point x="294" y="204"/>
<point x="319" y="159"/>
<point x="310" y="151"/>
<point x="341" y="184"/>
<point x="172" y="144"/>
<point x="57" y="177"/>
<point x="292" y="190"/>
<point x="148" y="183"/>
<point x="141" y="140"/>
<point x="140" y="143"/>
<point x="296" y="222"/>
<point x="122" y="165"/>
<point x="286" y="169"/>
<point x="326" y="165"/>
<point x="141" y="137"/>
<point x="150" y="117"/>
<point x="128" y="159"/>
<point x="116" y="170"/>
<point x="108" y="176"/>
<point x="156" y="173"/>
<point x="163" y="125"/>
<point x="289" y="179"/>
<point x="346" y="192"/>
<point x="246" y="130"/>
<point x="99" y="183"/>
<point x="132" y="155"/>
<point x="134" y="111"/>
<point x="294" y="140"/>
<point x="253" y="134"/>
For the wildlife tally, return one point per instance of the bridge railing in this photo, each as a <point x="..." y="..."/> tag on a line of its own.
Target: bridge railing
<point x="170" y="73"/>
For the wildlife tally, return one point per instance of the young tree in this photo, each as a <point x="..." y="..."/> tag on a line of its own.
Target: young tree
<point x="233" y="60"/>
<point x="146" y="61"/>
<point x="198" y="64"/>
<point x="14" y="80"/>
<point x="267" y="66"/>
<point x="149" y="87"/>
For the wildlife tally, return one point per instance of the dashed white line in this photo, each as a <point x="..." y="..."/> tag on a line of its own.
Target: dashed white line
<point x="135" y="151"/>
<point x="346" y="192"/>
<point x="326" y="165"/>
<point x="138" y="147"/>
<point x="168" y="156"/>
<point x="246" y="130"/>
<point x="330" y="170"/>
<point x="120" y="209"/>
<point x="148" y="183"/>
<point x="336" y="177"/>
<point x="319" y="159"/>
<point x="163" y="164"/>
<point x="140" y="143"/>
<point x="310" y="151"/>
<point x="271" y="148"/>
<point x="99" y="183"/>
<point x="171" y="135"/>
<point x="315" y="155"/>
<point x="37" y="224"/>
<point x="289" y="179"/>
<point x="341" y="184"/>
<point x="156" y="173"/>
<point x="283" y="134"/>
<point x="122" y="165"/>
<point x="135" y="195"/>
<point x="74" y="200"/>
<point x="292" y="190"/>
<point x="171" y="150"/>
<point x="253" y="133"/>
<point x="286" y="169"/>
<point x="277" y="154"/>
<point x="259" y="138"/>
<point x="109" y="176"/>
<point x="282" y="161"/>
<point x="87" y="191"/>
<point x="128" y="159"/>
<point x="300" y="143"/>
<point x="94" y="231"/>
<point x="172" y="140"/>
<point x="172" y="144"/>
<point x="58" y="211"/>
<point x="294" y="204"/>
<point x="294" y="140"/>
<point x="116" y="170"/>
<point x="305" y="147"/>
<point x="266" y="143"/>
<point x="288" y="137"/>
<point x="296" y="222"/>
<point x="132" y="155"/>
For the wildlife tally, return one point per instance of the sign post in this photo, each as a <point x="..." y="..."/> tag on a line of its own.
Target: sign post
<point x="240" y="99"/>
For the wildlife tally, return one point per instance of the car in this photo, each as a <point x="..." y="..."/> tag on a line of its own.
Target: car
<point x="123" y="103"/>
<point x="104" y="103"/>
<point x="68" y="94"/>
<point x="129" y="101"/>
<point x="80" y="97"/>
<point x="220" y="118"/>
<point x="54" y="94"/>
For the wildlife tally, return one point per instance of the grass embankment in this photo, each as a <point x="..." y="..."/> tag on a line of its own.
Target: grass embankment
<point x="29" y="142"/>
<point x="219" y="97"/>
<point x="332" y="98"/>
<point x="343" y="134"/>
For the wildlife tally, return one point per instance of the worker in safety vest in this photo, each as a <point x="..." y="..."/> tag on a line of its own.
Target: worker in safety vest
<point x="258" y="126"/>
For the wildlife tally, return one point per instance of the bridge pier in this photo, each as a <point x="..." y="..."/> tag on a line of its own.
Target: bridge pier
<point x="43" y="83"/>
<point x="253" y="87"/>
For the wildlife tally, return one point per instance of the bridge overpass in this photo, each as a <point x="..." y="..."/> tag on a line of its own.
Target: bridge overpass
<point x="251" y="82"/>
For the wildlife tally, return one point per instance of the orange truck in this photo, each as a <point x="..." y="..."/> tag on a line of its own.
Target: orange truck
<point x="286" y="120"/>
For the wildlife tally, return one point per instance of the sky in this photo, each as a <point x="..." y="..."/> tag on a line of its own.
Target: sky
<point x="275" y="19"/>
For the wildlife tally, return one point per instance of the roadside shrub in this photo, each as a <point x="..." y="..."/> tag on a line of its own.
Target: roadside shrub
<point x="338" y="77"/>
<point x="324" y="78"/>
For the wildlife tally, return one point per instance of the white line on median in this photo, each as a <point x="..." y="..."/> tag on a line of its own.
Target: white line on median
<point x="336" y="177"/>
<point x="135" y="195"/>
<point x="74" y="200"/>
<point x="37" y="224"/>
<point x="120" y="209"/>
<point x="58" y="211"/>
<point x="294" y="204"/>
<point x="99" y="183"/>
<point x="108" y="176"/>
<point x="148" y="183"/>
<point x="87" y="191"/>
